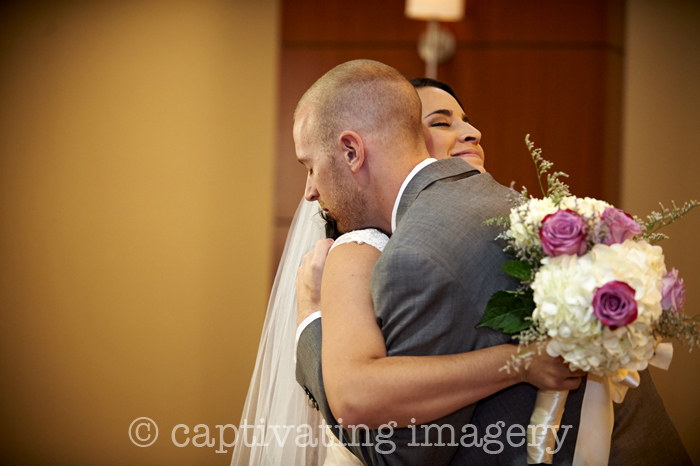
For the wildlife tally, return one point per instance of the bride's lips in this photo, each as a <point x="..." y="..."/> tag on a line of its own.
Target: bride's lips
<point x="467" y="153"/>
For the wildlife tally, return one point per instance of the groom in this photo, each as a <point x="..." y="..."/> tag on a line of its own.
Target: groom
<point x="434" y="278"/>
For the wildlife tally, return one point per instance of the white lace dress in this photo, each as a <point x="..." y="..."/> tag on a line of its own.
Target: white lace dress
<point x="337" y="454"/>
<point x="367" y="236"/>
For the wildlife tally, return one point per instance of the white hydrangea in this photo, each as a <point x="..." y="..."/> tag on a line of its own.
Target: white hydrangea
<point x="564" y="288"/>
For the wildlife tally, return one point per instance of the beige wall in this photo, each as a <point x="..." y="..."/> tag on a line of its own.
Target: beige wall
<point x="662" y="163"/>
<point x="136" y="142"/>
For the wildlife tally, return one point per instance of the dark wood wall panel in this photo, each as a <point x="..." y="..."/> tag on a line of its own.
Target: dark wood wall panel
<point x="556" y="96"/>
<point x="382" y="21"/>
<point x="548" y="68"/>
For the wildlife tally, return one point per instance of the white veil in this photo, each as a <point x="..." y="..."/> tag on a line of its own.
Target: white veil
<point x="274" y="397"/>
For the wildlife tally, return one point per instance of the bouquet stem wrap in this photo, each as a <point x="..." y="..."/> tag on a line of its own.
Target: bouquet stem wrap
<point x="597" y="416"/>
<point x="544" y="424"/>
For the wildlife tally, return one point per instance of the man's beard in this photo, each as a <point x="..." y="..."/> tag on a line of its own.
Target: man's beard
<point x="349" y="209"/>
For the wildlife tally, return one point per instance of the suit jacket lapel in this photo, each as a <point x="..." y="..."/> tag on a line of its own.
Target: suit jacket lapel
<point x="430" y="174"/>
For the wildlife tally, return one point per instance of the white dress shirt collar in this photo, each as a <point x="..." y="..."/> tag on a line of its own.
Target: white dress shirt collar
<point x="408" y="179"/>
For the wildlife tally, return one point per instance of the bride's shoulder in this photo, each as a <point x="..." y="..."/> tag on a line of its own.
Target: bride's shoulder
<point x="369" y="236"/>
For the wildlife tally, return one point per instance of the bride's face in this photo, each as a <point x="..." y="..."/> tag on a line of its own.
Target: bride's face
<point x="447" y="129"/>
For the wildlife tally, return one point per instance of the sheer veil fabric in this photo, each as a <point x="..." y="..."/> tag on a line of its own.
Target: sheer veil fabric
<point x="274" y="397"/>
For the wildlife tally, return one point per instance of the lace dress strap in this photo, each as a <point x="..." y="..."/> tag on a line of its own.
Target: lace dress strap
<point x="367" y="236"/>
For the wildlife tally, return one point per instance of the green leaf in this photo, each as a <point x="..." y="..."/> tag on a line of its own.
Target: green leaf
<point x="509" y="311"/>
<point x="518" y="269"/>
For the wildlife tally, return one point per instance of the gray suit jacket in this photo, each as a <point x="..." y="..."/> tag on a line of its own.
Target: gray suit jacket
<point x="430" y="287"/>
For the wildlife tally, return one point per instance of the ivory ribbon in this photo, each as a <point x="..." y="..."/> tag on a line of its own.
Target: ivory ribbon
<point x="544" y="424"/>
<point x="597" y="416"/>
<point x="663" y="354"/>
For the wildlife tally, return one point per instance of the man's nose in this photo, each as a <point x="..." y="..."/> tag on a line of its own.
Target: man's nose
<point x="310" y="193"/>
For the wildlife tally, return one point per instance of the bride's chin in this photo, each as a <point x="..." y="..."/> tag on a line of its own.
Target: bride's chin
<point x="475" y="162"/>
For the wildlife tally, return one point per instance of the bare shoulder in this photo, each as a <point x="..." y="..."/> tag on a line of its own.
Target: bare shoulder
<point x="359" y="248"/>
<point x="353" y="256"/>
<point x="346" y="281"/>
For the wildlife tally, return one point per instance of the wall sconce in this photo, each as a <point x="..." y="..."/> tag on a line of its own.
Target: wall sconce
<point x="437" y="44"/>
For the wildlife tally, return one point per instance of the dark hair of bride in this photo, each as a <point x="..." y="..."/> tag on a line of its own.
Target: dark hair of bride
<point x="428" y="82"/>
<point x="330" y="224"/>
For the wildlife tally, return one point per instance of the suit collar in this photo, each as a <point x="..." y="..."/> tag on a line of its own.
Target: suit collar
<point x="439" y="170"/>
<point x="405" y="183"/>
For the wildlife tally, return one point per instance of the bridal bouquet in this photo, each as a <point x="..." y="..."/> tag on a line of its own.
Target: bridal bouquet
<point x="596" y="291"/>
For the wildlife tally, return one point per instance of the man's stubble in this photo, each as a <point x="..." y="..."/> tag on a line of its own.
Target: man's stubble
<point x="349" y="207"/>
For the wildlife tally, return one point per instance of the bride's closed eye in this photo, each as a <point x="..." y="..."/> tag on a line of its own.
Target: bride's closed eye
<point x="438" y="120"/>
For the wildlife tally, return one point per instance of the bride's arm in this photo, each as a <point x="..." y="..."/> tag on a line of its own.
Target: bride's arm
<point x="364" y="386"/>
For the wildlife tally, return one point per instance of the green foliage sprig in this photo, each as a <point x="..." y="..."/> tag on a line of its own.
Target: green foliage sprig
<point x="526" y="338"/>
<point x="684" y="328"/>
<point x="556" y="188"/>
<point x="501" y="221"/>
<point x="655" y="221"/>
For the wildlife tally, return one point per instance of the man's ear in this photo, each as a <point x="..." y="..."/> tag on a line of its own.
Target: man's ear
<point x="353" y="149"/>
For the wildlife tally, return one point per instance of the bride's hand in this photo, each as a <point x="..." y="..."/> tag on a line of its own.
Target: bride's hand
<point x="548" y="373"/>
<point x="308" y="281"/>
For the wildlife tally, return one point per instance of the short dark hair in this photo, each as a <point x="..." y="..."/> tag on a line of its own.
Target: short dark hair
<point x="429" y="82"/>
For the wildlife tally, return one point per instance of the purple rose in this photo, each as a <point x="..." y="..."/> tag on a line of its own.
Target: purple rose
<point x="620" y="226"/>
<point x="672" y="291"/>
<point x="563" y="233"/>
<point x="614" y="304"/>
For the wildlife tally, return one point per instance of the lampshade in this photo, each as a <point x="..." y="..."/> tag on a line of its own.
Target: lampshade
<point x="441" y="10"/>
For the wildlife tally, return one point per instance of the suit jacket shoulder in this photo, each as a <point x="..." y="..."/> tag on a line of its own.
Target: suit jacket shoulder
<point x="442" y="263"/>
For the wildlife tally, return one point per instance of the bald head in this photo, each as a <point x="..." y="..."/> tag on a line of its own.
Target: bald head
<point x="365" y="96"/>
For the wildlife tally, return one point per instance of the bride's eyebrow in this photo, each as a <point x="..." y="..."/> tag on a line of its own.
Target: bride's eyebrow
<point x="442" y="111"/>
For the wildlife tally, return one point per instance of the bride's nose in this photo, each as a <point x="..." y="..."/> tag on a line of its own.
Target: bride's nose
<point x="469" y="134"/>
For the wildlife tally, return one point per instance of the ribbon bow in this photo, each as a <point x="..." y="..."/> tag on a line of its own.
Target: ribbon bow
<point x="597" y="417"/>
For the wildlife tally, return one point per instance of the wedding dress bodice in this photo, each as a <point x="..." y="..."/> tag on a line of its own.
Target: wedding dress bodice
<point x="369" y="236"/>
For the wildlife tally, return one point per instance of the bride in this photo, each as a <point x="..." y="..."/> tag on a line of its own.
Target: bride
<point x="275" y="399"/>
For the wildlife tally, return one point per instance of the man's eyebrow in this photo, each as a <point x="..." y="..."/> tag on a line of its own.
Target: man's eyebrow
<point x="442" y="111"/>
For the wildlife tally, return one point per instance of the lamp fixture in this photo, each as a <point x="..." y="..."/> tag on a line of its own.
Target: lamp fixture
<point x="437" y="44"/>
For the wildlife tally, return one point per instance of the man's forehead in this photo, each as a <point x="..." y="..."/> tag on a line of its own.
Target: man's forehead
<point x="300" y="122"/>
<point x="302" y="128"/>
<point x="301" y="137"/>
<point x="303" y="115"/>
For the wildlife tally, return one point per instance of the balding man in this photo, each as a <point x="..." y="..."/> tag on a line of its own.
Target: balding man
<point x="358" y="132"/>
